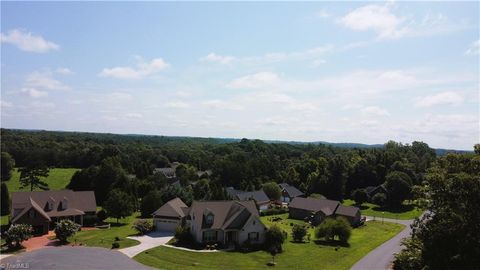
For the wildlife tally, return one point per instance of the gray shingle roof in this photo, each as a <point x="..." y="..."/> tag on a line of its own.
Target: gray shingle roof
<point x="259" y="195"/>
<point x="173" y="208"/>
<point x="328" y="207"/>
<point x="350" y="211"/>
<point x="291" y="190"/>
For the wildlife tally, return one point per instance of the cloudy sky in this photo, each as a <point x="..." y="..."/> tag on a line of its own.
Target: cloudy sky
<point x="343" y="72"/>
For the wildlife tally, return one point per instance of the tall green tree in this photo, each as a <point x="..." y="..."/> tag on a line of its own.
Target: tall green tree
<point x="5" y="200"/>
<point x="447" y="236"/>
<point x="151" y="202"/>
<point x="272" y="190"/>
<point x="31" y="176"/>
<point x="119" y="204"/>
<point x="398" y="186"/>
<point x="7" y="164"/>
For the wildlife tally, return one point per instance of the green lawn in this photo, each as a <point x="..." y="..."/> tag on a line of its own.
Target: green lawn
<point x="105" y="237"/>
<point x="57" y="179"/>
<point x="4" y="220"/>
<point x="295" y="256"/>
<point x="407" y="211"/>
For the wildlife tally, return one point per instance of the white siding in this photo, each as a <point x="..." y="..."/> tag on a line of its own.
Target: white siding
<point x="252" y="225"/>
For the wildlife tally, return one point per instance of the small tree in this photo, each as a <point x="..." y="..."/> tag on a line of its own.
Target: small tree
<point x="332" y="228"/>
<point x="342" y="229"/>
<point x="360" y="196"/>
<point x="119" y="204"/>
<point x="5" y="200"/>
<point x="17" y="233"/>
<point x="298" y="232"/>
<point x="274" y="238"/>
<point x="151" y="202"/>
<point x="30" y="176"/>
<point x="65" y="228"/>
<point x="273" y="252"/>
<point x="272" y="190"/>
<point x="379" y="199"/>
<point x="143" y="226"/>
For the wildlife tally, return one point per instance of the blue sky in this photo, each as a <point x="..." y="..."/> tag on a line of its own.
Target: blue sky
<point x="339" y="72"/>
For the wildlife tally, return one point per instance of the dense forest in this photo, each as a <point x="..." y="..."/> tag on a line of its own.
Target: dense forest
<point x="127" y="162"/>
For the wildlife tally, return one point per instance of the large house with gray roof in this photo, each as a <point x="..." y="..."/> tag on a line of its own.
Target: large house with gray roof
<point x="289" y="192"/>
<point x="226" y="222"/>
<point x="259" y="196"/>
<point x="317" y="210"/>
<point x="42" y="209"/>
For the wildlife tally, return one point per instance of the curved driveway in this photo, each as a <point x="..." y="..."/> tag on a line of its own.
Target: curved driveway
<point x="72" y="258"/>
<point x="148" y="241"/>
<point x="382" y="257"/>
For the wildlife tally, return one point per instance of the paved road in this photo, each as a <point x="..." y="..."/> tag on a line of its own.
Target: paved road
<point x="149" y="241"/>
<point x="72" y="258"/>
<point x="381" y="257"/>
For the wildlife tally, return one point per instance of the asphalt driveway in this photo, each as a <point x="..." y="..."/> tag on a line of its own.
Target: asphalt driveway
<point x="153" y="239"/>
<point x="382" y="257"/>
<point x="72" y="258"/>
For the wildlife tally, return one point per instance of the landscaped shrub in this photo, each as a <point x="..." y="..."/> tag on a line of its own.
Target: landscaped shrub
<point x="299" y="232"/>
<point x="332" y="228"/>
<point x="18" y="233"/>
<point x="115" y="245"/>
<point x="379" y="199"/>
<point x="117" y="238"/>
<point x="143" y="226"/>
<point x="274" y="211"/>
<point x="65" y="228"/>
<point x="102" y="215"/>
<point x="183" y="235"/>
<point x="360" y="196"/>
<point x="274" y="238"/>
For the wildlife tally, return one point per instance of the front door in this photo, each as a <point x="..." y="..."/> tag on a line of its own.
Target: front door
<point x="231" y="237"/>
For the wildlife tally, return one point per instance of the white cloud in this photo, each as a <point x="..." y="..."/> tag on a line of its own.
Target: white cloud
<point x="374" y="110"/>
<point x="323" y="14"/>
<point x="387" y="25"/>
<point x="318" y="62"/>
<point x="444" y="98"/>
<point x="64" y="71"/>
<point x="257" y="80"/>
<point x="134" y="115"/>
<point x="221" y="104"/>
<point x="176" y="105"/>
<point x="44" y="80"/>
<point x="474" y="48"/>
<point x="220" y="59"/>
<point x="142" y="70"/>
<point x="34" y="93"/>
<point x="5" y="104"/>
<point x="26" y="41"/>
<point x="42" y="105"/>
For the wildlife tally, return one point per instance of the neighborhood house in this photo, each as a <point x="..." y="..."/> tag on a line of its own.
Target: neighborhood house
<point x="227" y="222"/>
<point x="289" y="192"/>
<point x="259" y="196"/>
<point x="42" y="209"/>
<point x="316" y="210"/>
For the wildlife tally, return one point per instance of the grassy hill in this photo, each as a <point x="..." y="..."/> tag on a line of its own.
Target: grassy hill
<point x="57" y="179"/>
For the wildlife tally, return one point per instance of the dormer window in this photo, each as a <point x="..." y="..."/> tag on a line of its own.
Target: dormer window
<point x="49" y="206"/>
<point x="209" y="219"/>
<point x="64" y="204"/>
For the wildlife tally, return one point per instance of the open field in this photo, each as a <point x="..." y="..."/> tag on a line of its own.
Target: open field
<point x="105" y="237"/>
<point x="295" y="256"/>
<point x="407" y="211"/>
<point x="57" y="179"/>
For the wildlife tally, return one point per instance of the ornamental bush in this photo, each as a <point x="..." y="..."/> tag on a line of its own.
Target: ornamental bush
<point x="17" y="233"/>
<point x="183" y="235"/>
<point x="274" y="238"/>
<point x="298" y="232"/>
<point x="143" y="226"/>
<point x="65" y="228"/>
<point x="332" y="228"/>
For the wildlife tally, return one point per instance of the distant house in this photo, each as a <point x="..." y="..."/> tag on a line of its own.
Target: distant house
<point x="42" y="209"/>
<point x="169" y="173"/>
<point x="317" y="210"/>
<point x="289" y="192"/>
<point x="373" y="190"/>
<point x="204" y="174"/>
<point x="259" y="196"/>
<point x="215" y="221"/>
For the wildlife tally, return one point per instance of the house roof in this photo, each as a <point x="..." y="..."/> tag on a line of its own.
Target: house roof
<point x="328" y="207"/>
<point x="291" y="190"/>
<point x="227" y="214"/>
<point x="168" y="172"/>
<point x="79" y="202"/>
<point x="259" y="195"/>
<point x="371" y="189"/>
<point x="350" y="211"/>
<point x="175" y="208"/>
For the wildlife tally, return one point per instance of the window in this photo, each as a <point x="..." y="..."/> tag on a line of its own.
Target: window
<point x="253" y="236"/>
<point x="209" y="236"/>
<point x="209" y="219"/>
<point x="49" y="205"/>
<point x="64" y="204"/>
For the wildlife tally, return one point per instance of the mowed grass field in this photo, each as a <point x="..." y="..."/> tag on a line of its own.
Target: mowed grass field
<point x="406" y="211"/>
<point x="57" y="179"/>
<point x="295" y="256"/>
<point x="105" y="237"/>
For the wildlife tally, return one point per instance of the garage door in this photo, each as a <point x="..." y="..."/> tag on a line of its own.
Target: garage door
<point x="166" y="224"/>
